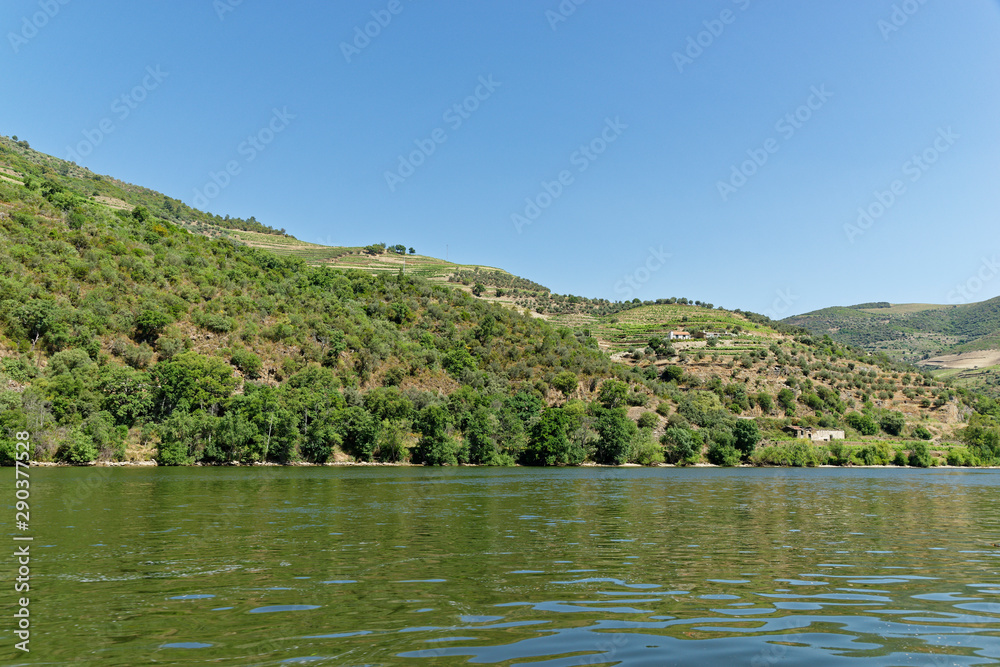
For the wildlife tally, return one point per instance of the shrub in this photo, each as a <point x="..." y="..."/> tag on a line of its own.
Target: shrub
<point x="746" y="435"/>
<point x="920" y="456"/>
<point x="786" y="398"/>
<point x="922" y="433"/>
<point x="723" y="455"/>
<point x="874" y="454"/>
<point x="566" y="382"/>
<point x="957" y="456"/>
<point x="863" y="424"/>
<point x="247" y="362"/>
<point x="645" y="451"/>
<point x="797" y="454"/>
<point x="648" y="420"/>
<point x="683" y="446"/>
<point x="78" y="448"/>
<point x="893" y="423"/>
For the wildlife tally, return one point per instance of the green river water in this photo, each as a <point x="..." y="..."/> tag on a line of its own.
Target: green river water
<point x="554" y="567"/>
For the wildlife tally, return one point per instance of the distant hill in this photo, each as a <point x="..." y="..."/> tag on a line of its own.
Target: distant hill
<point x="961" y="343"/>
<point x="909" y="332"/>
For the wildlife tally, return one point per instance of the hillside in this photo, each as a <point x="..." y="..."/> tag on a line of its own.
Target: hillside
<point x="125" y="335"/>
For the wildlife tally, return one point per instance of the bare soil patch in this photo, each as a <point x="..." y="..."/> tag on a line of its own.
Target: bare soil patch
<point x="966" y="360"/>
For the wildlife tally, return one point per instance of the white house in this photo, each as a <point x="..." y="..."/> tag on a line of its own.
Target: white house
<point x="680" y="335"/>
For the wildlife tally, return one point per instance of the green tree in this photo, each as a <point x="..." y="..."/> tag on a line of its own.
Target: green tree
<point x="616" y="432"/>
<point x="613" y="394"/>
<point x="127" y="394"/>
<point x="722" y="454"/>
<point x="683" y="446"/>
<point x="786" y="399"/>
<point x="672" y="374"/>
<point x="893" y="423"/>
<point x="358" y="432"/>
<point x="435" y="447"/>
<point x="478" y="289"/>
<point x="746" y="435"/>
<point x="191" y="380"/>
<point x="184" y="437"/>
<point x="549" y="444"/>
<point x="78" y="448"/>
<point x="566" y="382"/>
<point x="862" y="423"/>
<point x="149" y="325"/>
<point x="920" y="455"/>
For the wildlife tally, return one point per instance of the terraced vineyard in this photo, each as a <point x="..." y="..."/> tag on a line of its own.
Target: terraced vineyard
<point x="347" y="257"/>
<point x="634" y="328"/>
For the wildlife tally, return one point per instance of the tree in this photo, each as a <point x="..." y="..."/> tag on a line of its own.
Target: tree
<point x="193" y="381"/>
<point x="549" y="444"/>
<point x="412" y="251"/>
<point x="127" y="394"/>
<point x="615" y="431"/>
<point x="481" y="435"/>
<point x="672" y="374"/>
<point x="613" y="394"/>
<point x="786" y="399"/>
<point x="434" y="446"/>
<point x="478" y="289"/>
<point x="358" y="432"/>
<point x="746" y="435"/>
<point x="893" y="423"/>
<point x="78" y="448"/>
<point x="682" y="444"/>
<point x="566" y="382"/>
<point x="149" y="325"/>
<point x="920" y="456"/>
<point x="722" y="454"/>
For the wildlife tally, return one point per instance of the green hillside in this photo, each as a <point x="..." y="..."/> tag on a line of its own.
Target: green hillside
<point x="910" y="332"/>
<point x="131" y="330"/>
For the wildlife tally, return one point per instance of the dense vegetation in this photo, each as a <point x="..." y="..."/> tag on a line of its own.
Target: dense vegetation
<point x="38" y="168"/>
<point x="124" y="336"/>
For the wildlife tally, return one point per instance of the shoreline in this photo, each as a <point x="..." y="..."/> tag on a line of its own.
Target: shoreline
<point x="374" y="464"/>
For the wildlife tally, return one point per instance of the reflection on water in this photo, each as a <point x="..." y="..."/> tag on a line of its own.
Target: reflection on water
<point x="394" y="566"/>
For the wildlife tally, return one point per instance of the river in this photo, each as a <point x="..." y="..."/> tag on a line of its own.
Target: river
<point x="553" y="567"/>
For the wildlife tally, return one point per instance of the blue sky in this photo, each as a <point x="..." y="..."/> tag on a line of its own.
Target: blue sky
<point x="719" y="150"/>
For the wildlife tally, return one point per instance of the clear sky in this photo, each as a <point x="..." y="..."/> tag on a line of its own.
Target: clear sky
<point x="717" y="150"/>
